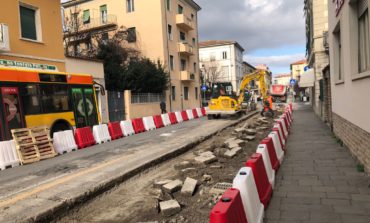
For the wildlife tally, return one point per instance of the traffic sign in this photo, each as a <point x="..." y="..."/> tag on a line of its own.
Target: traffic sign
<point x="204" y="88"/>
<point x="293" y="82"/>
<point x="306" y="68"/>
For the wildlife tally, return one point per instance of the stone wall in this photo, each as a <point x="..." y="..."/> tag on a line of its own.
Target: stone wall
<point x="355" y="138"/>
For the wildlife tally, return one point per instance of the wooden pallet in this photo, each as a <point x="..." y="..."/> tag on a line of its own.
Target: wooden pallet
<point x="28" y="154"/>
<point x="41" y="138"/>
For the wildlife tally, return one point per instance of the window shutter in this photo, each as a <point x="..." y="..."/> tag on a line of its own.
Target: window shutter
<point x="86" y="16"/>
<point x="362" y="5"/>
<point x="103" y="8"/>
<point x="28" y="23"/>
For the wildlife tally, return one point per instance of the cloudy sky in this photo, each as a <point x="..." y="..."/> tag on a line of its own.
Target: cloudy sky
<point x="271" y="31"/>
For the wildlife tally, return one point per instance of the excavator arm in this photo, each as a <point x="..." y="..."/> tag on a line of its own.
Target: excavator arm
<point x="257" y="75"/>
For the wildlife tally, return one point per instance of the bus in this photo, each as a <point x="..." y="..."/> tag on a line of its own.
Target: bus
<point x="60" y="101"/>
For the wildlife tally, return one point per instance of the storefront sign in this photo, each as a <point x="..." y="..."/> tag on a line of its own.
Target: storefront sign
<point x="26" y="65"/>
<point x="338" y="6"/>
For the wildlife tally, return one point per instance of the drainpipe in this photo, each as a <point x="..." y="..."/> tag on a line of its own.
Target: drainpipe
<point x="168" y="55"/>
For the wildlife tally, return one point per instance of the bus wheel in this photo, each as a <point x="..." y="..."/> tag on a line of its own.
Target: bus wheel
<point x="59" y="126"/>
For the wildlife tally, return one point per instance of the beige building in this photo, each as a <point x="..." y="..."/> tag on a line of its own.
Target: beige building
<point x="350" y="75"/>
<point x="282" y="79"/>
<point x="268" y="76"/>
<point x="297" y="69"/>
<point x="31" y="35"/>
<point x="317" y="50"/>
<point x="164" y="30"/>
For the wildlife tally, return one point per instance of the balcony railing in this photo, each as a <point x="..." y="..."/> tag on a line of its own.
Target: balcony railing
<point x="184" y="22"/>
<point x="104" y="22"/>
<point x="187" y="76"/>
<point x="186" y="49"/>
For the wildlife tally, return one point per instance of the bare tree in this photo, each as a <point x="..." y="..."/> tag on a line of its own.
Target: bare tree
<point x="212" y="72"/>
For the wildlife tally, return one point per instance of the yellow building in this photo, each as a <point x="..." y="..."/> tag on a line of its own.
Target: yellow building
<point x="31" y="35"/>
<point x="297" y="68"/>
<point x="165" y="30"/>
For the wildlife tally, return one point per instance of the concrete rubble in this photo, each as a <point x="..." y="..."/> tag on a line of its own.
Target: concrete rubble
<point x="189" y="186"/>
<point x="251" y="132"/>
<point x="172" y="186"/>
<point x="233" y="152"/>
<point x="169" y="208"/>
<point x="183" y="165"/>
<point x="159" y="184"/>
<point x="250" y="138"/>
<point x="205" y="158"/>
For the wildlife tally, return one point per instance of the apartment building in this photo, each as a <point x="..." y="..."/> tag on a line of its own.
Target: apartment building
<point x="31" y="35"/>
<point x="297" y="69"/>
<point x="282" y="79"/>
<point x="222" y="61"/>
<point x="165" y="30"/>
<point x="350" y="75"/>
<point x="316" y="12"/>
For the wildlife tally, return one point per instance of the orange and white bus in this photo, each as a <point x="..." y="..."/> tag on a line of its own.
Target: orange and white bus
<point x="58" y="100"/>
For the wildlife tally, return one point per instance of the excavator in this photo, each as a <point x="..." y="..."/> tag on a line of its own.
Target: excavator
<point x="225" y="103"/>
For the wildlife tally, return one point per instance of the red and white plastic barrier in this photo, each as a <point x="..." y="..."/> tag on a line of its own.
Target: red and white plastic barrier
<point x="84" y="137"/>
<point x="149" y="123"/>
<point x="115" y="130"/>
<point x="283" y="126"/>
<point x="277" y="146"/>
<point x="199" y="112"/>
<point x="278" y="129"/>
<point x="101" y="134"/>
<point x="179" y="117"/>
<point x="262" y="149"/>
<point x="158" y="121"/>
<point x="195" y="113"/>
<point x="64" y="142"/>
<point x="245" y="183"/>
<point x="166" y="119"/>
<point x="8" y="155"/>
<point x="127" y="128"/>
<point x="138" y="125"/>
<point x="187" y="115"/>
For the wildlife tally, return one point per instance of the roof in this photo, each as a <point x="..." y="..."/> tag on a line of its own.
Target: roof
<point x="249" y="65"/>
<point x="282" y="75"/>
<point x="211" y="43"/>
<point x="304" y="61"/>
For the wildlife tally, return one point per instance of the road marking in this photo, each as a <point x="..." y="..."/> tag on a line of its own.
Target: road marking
<point x="60" y="181"/>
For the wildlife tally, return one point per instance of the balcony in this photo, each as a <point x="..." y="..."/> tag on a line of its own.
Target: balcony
<point x="96" y="25"/>
<point x="185" y="49"/>
<point x="187" y="76"/>
<point x="184" y="22"/>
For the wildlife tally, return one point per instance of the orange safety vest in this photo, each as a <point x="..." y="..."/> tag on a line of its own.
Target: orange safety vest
<point x="269" y="99"/>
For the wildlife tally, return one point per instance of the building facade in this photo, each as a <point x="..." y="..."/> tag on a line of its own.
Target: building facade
<point x="268" y="76"/>
<point x="281" y="79"/>
<point x="316" y="12"/>
<point x="222" y="61"/>
<point x="171" y="36"/>
<point x="31" y="35"/>
<point x="350" y="75"/>
<point x="297" y="69"/>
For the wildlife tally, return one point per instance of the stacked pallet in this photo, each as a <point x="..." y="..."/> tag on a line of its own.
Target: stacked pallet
<point x="33" y="144"/>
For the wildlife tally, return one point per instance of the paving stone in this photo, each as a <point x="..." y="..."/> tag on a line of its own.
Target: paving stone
<point x="251" y="132"/>
<point x="183" y="165"/>
<point x="230" y="154"/>
<point x="169" y="208"/>
<point x="294" y="215"/>
<point x="239" y="130"/>
<point x="338" y="195"/>
<point x="159" y="184"/>
<point x="360" y="197"/>
<point x="205" y="159"/>
<point x="355" y="218"/>
<point x="172" y="186"/>
<point x="323" y="189"/>
<point x="350" y="210"/>
<point x="335" y="202"/>
<point x="307" y="200"/>
<point x="273" y="214"/>
<point x="189" y="170"/>
<point x="250" y="138"/>
<point x="189" y="186"/>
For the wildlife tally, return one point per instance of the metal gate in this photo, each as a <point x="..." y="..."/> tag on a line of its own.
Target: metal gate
<point x="116" y="106"/>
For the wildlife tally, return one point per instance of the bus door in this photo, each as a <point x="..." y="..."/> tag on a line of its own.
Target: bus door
<point x="11" y="111"/>
<point x="84" y="107"/>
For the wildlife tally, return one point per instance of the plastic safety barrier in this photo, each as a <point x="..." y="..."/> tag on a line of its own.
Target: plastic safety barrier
<point x="101" y="134"/>
<point x="115" y="130"/>
<point x="203" y="110"/>
<point x="281" y="132"/>
<point x="149" y="123"/>
<point x="84" y="137"/>
<point x="229" y="209"/>
<point x="195" y="113"/>
<point x="64" y="142"/>
<point x="291" y="107"/>
<point x="173" y="117"/>
<point x="179" y="117"/>
<point x="287" y="113"/>
<point x="244" y="182"/>
<point x="158" y="122"/>
<point x="279" y="151"/>
<point x="184" y="116"/>
<point x="281" y="138"/>
<point x="264" y="187"/>
<point x="127" y="128"/>
<point x="166" y="119"/>
<point x="8" y="155"/>
<point x="283" y="127"/>
<point x="138" y="125"/>
<point x="199" y="112"/>
<point x="189" y="113"/>
<point x="275" y="163"/>
<point x="262" y="149"/>
<point x="287" y="124"/>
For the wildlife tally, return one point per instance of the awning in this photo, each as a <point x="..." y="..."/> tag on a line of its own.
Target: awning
<point x="307" y="79"/>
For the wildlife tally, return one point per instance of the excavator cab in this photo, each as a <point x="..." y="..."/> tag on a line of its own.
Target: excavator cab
<point x="222" y="89"/>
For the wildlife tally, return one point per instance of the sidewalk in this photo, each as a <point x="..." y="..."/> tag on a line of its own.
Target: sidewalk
<point x="318" y="181"/>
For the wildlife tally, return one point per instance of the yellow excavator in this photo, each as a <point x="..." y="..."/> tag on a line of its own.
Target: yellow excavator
<point x="225" y="103"/>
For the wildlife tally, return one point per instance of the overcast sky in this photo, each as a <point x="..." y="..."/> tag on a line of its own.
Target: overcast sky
<point x="271" y="31"/>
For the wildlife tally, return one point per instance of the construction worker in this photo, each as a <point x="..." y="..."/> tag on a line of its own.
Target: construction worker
<point x="268" y="106"/>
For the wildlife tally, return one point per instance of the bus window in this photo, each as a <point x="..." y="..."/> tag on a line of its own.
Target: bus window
<point x="54" y="98"/>
<point x="92" y="117"/>
<point x="84" y="107"/>
<point x="30" y="99"/>
<point x="11" y="109"/>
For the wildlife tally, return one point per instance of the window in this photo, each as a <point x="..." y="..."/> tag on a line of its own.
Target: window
<point x="168" y="5"/>
<point x="103" y="14"/>
<point x="338" y="53"/>
<point x="86" y="17"/>
<point x="192" y="16"/>
<point x="31" y="100"/>
<point x="194" y="42"/>
<point x="224" y="55"/>
<point x="131" y="35"/>
<point x="195" y="67"/>
<point x="171" y="62"/>
<point x="173" y="93"/>
<point x="182" y="37"/>
<point x="363" y="36"/>
<point x="54" y="98"/>
<point x="186" y="93"/>
<point x="170" y="36"/>
<point x="183" y="64"/>
<point x="180" y="10"/>
<point x="225" y="72"/>
<point x="130" y="5"/>
<point x="196" y="93"/>
<point x="28" y="23"/>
